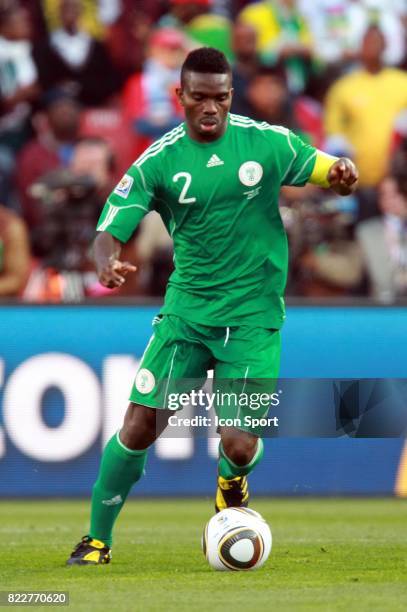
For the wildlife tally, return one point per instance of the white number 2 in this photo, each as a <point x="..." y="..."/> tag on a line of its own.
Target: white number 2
<point x="182" y="199"/>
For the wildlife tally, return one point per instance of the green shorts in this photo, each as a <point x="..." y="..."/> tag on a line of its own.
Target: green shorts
<point x="245" y="361"/>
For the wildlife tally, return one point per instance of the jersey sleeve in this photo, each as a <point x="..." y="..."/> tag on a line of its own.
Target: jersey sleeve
<point x="129" y="202"/>
<point x="298" y="160"/>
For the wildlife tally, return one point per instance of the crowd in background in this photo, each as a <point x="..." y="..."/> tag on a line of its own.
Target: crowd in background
<point x="86" y="85"/>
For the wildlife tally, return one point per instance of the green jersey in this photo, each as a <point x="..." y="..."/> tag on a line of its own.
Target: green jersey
<point x="219" y="202"/>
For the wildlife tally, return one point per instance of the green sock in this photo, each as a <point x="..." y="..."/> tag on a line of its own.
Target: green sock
<point x="228" y="470"/>
<point x="120" y="468"/>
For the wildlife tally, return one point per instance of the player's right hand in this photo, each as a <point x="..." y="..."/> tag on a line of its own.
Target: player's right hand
<point x="112" y="273"/>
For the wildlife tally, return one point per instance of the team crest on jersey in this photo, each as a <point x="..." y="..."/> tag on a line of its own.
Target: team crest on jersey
<point x="124" y="185"/>
<point x="250" y="173"/>
<point x="145" y="381"/>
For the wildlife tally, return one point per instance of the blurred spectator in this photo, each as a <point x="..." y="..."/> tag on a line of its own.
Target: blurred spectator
<point x="57" y="127"/>
<point x="384" y="239"/>
<point x="244" y="47"/>
<point x="199" y="24"/>
<point x="18" y="88"/>
<point x="14" y="254"/>
<point x="93" y="158"/>
<point x="283" y="36"/>
<point x="127" y="39"/>
<point x="361" y="110"/>
<point x="339" y="25"/>
<point x="211" y="30"/>
<point x="127" y="36"/>
<point x="330" y="23"/>
<point x="326" y="260"/>
<point x="235" y="7"/>
<point x="111" y="125"/>
<point x="270" y="100"/>
<point x="390" y="16"/>
<point x="36" y="17"/>
<point x="70" y="57"/>
<point x="182" y="12"/>
<point x="245" y="64"/>
<point x="154" y="249"/>
<point x="400" y="130"/>
<point x="149" y="99"/>
<point x="262" y="92"/>
<point x="96" y="14"/>
<point x="71" y="200"/>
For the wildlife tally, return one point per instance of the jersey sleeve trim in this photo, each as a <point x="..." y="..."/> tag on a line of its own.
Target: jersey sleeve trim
<point x="300" y="172"/>
<point x="158" y="146"/>
<point x="112" y="212"/>
<point x="118" y="230"/>
<point x="292" y="161"/>
<point x="143" y="180"/>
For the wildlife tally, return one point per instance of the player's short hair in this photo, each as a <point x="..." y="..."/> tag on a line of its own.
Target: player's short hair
<point x="205" y="60"/>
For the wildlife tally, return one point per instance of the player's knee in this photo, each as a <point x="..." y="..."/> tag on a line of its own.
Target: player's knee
<point x="240" y="451"/>
<point x="139" y="427"/>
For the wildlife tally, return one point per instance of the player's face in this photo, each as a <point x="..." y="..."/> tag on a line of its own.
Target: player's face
<point x="206" y="99"/>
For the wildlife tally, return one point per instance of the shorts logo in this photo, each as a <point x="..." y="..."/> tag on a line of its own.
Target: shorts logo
<point x="250" y="173"/>
<point x="145" y="381"/>
<point x="124" y="186"/>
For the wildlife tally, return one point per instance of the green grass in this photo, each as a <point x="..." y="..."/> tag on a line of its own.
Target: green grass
<point x="327" y="555"/>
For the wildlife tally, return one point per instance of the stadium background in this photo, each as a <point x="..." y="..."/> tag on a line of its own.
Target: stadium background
<point x="64" y="342"/>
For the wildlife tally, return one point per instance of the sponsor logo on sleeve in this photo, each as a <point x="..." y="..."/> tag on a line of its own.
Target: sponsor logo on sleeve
<point x="124" y="186"/>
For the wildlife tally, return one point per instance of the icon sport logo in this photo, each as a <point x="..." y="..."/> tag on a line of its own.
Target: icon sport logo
<point x="250" y="173"/>
<point x="124" y="185"/>
<point x="214" y="161"/>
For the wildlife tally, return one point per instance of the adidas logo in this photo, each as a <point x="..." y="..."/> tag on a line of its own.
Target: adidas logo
<point x="214" y="161"/>
<point x="117" y="499"/>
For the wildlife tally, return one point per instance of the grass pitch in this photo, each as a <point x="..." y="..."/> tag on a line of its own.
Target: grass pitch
<point x="327" y="555"/>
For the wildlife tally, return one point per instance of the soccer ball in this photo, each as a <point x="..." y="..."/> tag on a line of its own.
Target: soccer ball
<point x="236" y="539"/>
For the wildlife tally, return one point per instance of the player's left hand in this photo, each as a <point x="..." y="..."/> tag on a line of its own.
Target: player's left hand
<point x="343" y="176"/>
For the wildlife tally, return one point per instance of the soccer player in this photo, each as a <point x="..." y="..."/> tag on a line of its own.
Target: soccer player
<point x="215" y="181"/>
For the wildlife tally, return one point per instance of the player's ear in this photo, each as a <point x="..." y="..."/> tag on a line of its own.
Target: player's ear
<point x="180" y="95"/>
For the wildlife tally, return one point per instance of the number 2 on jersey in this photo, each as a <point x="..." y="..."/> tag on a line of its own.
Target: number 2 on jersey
<point x="184" y="175"/>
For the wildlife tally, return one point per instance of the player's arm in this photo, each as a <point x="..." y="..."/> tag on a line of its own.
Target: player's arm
<point x="129" y="202"/>
<point x="110" y="270"/>
<point x="340" y="174"/>
<point x="306" y="164"/>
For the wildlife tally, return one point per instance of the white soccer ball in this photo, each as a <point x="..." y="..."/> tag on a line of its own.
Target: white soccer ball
<point x="236" y="539"/>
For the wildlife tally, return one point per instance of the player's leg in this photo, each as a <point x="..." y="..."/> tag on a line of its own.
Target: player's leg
<point x="239" y="453"/>
<point x="174" y="353"/>
<point x="248" y="365"/>
<point x="122" y="465"/>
